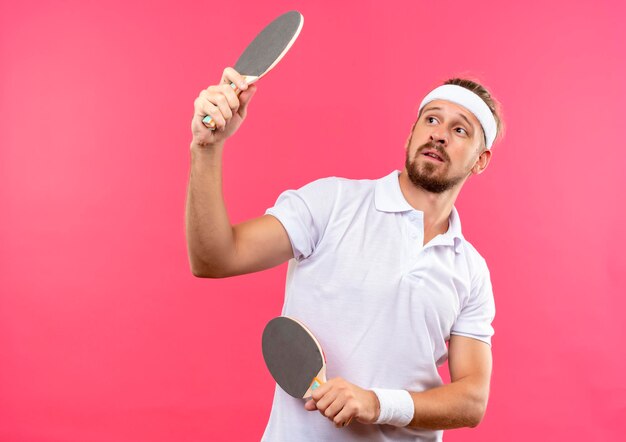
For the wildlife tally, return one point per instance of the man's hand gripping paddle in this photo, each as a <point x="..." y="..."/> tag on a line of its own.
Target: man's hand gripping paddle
<point x="294" y="357"/>
<point x="266" y="50"/>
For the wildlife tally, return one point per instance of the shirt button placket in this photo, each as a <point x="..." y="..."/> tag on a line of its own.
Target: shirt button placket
<point x="415" y="234"/>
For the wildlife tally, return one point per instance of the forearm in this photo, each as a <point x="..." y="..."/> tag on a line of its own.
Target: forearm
<point x="455" y="405"/>
<point x="209" y="232"/>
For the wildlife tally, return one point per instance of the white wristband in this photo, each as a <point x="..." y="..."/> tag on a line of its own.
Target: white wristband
<point x="396" y="407"/>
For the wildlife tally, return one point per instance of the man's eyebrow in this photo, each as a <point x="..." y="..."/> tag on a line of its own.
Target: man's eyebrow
<point x="458" y="113"/>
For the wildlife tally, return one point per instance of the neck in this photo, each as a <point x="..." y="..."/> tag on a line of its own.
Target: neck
<point x="436" y="206"/>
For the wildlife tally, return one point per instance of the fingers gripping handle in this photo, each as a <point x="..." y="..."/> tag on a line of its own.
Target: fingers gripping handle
<point x="208" y="121"/>
<point x="317" y="382"/>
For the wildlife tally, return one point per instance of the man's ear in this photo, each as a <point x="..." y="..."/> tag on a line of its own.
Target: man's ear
<point x="482" y="162"/>
<point x="408" y="140"/>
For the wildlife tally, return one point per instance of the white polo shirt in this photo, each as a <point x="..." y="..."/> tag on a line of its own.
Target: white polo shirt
<point x="381" y="304"/>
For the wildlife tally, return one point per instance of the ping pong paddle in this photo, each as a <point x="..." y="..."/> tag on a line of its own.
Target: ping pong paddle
<point x="266" y="50"/>
<point x="293" y="356"/>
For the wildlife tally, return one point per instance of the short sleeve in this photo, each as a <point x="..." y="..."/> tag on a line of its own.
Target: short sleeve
<point x="305" y="214"/>
<point x="478" y="313"/>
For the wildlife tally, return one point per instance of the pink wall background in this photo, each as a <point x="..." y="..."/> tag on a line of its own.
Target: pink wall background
<point x="104" y="333"/>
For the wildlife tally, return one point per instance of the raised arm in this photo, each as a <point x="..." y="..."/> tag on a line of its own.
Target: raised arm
<point x="216" y="248"/>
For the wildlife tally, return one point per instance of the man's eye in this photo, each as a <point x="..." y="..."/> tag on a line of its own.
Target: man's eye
<point x="461" y="129"/>
<point x="430" y="118"/>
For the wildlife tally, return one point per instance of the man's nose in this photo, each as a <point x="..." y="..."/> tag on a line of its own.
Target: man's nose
<point x="438" y="137"/>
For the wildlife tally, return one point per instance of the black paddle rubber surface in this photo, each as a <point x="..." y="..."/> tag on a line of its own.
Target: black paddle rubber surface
<point x="291" y="355"/>
<point x="269" y="45"/>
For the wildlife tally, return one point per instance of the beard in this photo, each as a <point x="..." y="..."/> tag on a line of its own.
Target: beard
<point x="429" y="176"/>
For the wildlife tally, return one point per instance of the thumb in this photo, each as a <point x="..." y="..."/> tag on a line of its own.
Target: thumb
<point x="310" y="405"/>
<point x="244" y="99"/>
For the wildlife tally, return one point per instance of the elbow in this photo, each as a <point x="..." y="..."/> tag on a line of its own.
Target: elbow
<point x="477" y="415"/>
<point x="202" y="270"/>
<point x="202" y="273"/>
<point x="207" y="273"/>
<point x="476" y="405"/>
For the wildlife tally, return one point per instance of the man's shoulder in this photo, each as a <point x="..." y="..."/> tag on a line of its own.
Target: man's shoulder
<point x="340" y="185"/>
<point x="337" y="180"/>
<point x="475" y="261"/>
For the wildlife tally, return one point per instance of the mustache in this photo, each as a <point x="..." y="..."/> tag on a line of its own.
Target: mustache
<point x="430" y="145"/>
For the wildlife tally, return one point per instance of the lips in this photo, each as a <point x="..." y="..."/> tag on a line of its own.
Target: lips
<point x="431" y="153"/>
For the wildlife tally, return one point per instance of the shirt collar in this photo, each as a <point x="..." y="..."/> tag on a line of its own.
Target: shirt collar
<point x="388" y="198"/>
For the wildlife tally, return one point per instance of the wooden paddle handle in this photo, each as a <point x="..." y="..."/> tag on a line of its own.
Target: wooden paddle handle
<point x="208" y="121"/>
<point x="315" y="383"/>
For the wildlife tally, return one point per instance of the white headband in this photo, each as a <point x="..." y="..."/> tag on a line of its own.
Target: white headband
<point x="469" y="100"/>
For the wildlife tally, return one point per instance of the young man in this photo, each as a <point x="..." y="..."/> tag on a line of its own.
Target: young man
<point x="378" y="270"/>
